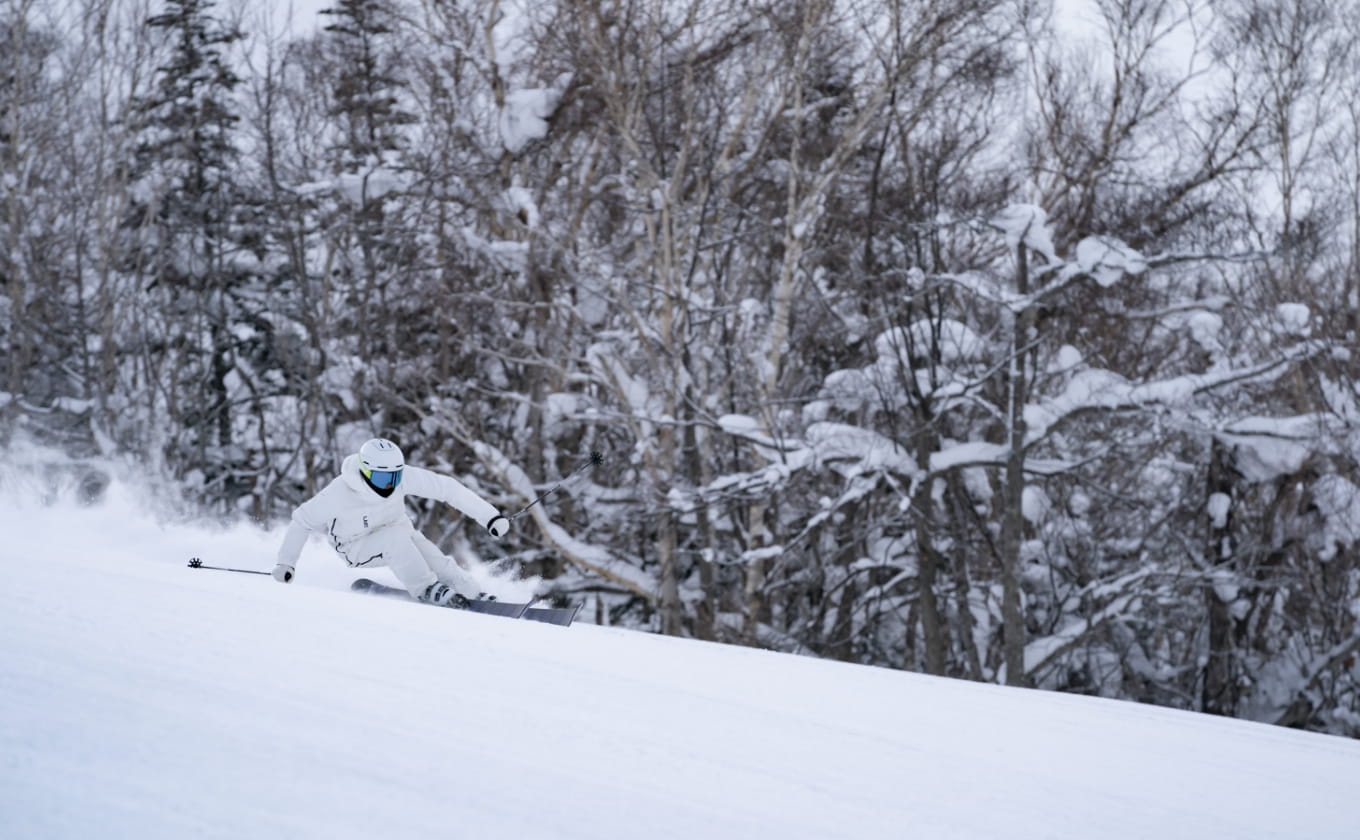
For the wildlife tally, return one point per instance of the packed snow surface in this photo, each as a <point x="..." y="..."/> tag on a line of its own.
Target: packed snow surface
<point x="142" y="699"/>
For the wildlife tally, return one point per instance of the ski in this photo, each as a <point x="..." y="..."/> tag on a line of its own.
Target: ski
<point x="561" y="616"/>
<point x="504" y="609"/>
<point x="374" y="588"/>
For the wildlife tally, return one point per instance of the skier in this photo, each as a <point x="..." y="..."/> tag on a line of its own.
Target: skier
<point x="361" y="513"/>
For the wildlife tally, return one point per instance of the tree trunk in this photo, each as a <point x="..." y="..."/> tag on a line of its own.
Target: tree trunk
<point x="1220" y="692"/>
<point x="671" y="613"/>
<point x="932" y="620"/>
<point x="1012" y="523"/>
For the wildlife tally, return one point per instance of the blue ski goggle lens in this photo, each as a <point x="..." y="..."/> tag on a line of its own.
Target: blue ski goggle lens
<point x="383" y="479"/>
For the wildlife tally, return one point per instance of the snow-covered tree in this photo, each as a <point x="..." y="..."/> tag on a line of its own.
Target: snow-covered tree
<point x="194" y="245"/>
<point x="951" y="336"/>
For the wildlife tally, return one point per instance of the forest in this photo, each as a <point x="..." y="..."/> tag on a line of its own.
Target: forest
<point x="1003" y="340"/>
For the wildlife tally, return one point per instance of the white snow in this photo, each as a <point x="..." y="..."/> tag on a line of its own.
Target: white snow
<point x="510" y="255"/>
<point x="139" y="698"/>
<point x="1294" y="318"/>
<point x="1067" y="359"/>
<point x="1269" y="447"/>
<point x="867" y="450"/>
<point x="1205" y="328"/>
<point x="972" y="452"/>
<point x="521" y="203"/>
<point x="1035" y="504"/>
<point x="360" y="187"/>
<point x="1338" y="500"/>
<point x="1098" y="388"/>
<point x="741" y="425"/>
<point x="955" y="340"/>
<point x="1218" y="507"/>
<point x="1224" y="586"/>
<point x="511" y="33"/>
<point x="1027" y="223"/>
<point x="525" y="116"/>
<point x="846" y="390"/>
<point x="1107" y="259"/>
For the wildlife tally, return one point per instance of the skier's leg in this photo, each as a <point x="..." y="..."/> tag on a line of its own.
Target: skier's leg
<point x="394" y="548"/>
<point x="445" y="567"/>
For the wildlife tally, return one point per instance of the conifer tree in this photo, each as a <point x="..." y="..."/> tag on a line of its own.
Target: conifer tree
<point x="369" y="246"/>
<point x="187" y="218"/>
<point x="365" y="93"/>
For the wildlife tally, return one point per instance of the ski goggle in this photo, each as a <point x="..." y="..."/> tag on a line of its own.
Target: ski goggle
<point x="382" y="479"/>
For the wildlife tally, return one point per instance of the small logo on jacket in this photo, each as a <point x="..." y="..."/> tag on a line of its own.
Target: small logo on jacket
<point x="365" y="521"/>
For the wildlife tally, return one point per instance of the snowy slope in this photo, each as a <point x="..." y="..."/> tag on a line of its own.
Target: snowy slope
<point x="142" y="699"/>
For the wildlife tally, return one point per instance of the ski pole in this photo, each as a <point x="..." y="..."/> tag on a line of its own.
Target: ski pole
<point x="195" y="563"/>
<point x="595" y="459"/>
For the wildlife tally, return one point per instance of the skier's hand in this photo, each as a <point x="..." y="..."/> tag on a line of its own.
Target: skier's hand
<point x="283" y="573"/>
<point x="499" y="526"/>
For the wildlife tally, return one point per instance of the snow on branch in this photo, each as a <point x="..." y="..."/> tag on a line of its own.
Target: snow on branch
<point x="971" y="454"/>
<point x="1107" y="260"/>
<point x="1340" y="656"/>
<point x="850" y="451"/>
<point x="1027" y="224"/>
<point x="864" y="451"/>
<point x="592" y="558"/>
<point x="524" y="117"/>
<point x="359" y="188"/>
<point x="1105" y="390"/>
<point x="1213" y="303"/>
<point x="749" y="429"/>
<point x="1041" y="652"/>
<point x="1269" y="447"/>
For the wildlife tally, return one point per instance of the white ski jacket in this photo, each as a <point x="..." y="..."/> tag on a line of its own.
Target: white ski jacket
<point x="347" y="510"/>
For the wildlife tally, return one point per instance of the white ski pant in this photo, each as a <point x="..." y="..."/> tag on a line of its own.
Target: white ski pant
<point x="415" y="560"/>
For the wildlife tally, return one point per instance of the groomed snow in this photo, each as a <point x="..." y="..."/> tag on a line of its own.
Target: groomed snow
<point x="142" y="699"/>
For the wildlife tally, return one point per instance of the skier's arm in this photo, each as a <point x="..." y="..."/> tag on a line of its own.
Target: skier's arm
<point x="451" y="491"/>
<point x="291" y="548"/>
<point x="293" y="541"/>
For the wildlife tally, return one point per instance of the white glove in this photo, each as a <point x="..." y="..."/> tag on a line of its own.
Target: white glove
<point x="283" y="573"/>
<point x="499" y="526"/>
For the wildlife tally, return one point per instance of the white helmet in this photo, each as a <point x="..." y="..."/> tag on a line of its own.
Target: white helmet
<point x="381" y="463"/>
